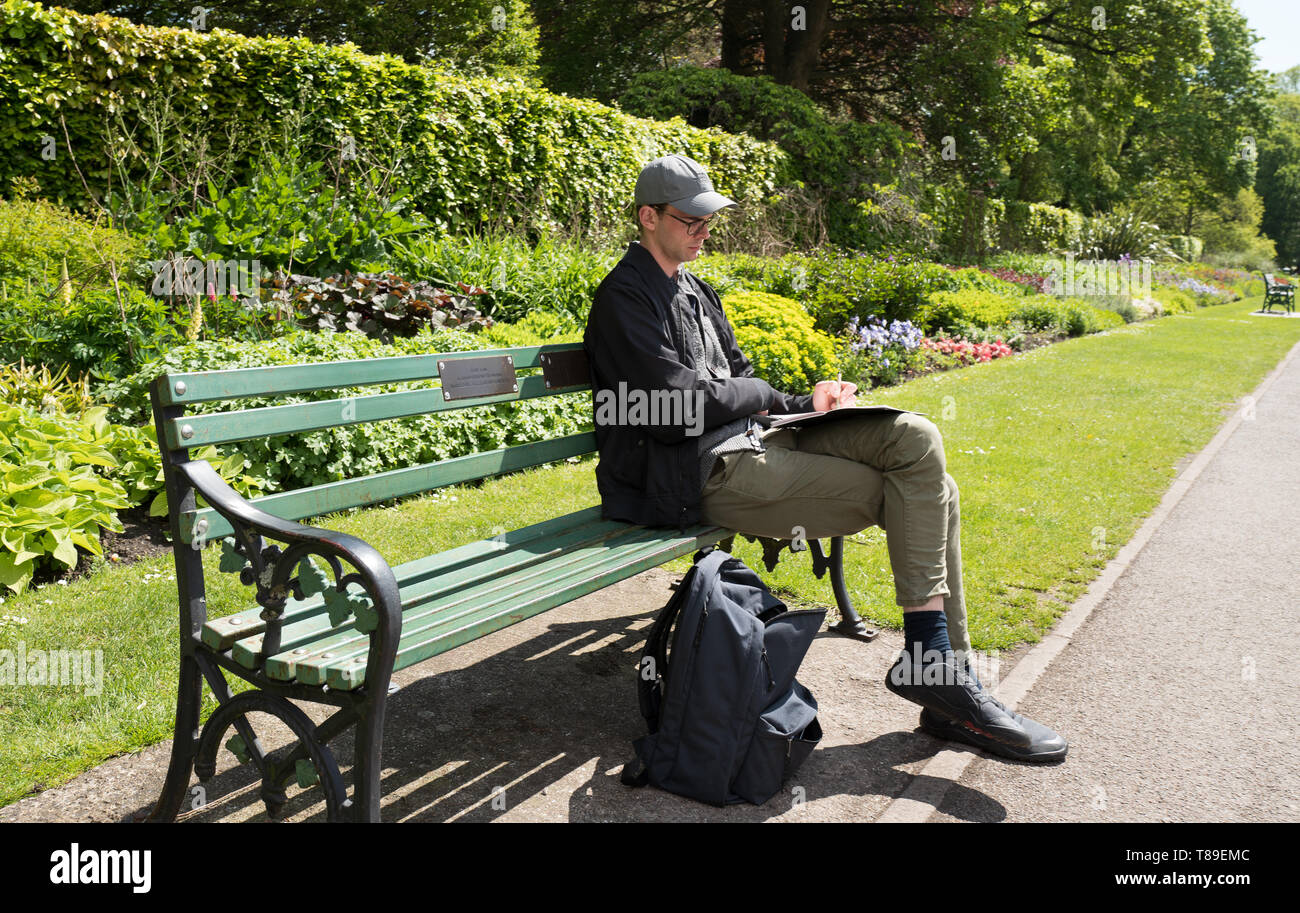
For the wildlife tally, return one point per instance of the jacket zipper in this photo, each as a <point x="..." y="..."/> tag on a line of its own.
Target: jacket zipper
<point x="771" y="682"/>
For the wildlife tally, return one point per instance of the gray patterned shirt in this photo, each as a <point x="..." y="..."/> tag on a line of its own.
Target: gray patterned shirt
<point x="711" y="361"/>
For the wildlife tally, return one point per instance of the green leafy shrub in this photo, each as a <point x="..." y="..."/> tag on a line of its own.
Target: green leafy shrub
<point x="835" y="286"/>
<point x="315" y="457"/>
<point x="948" y="309"/>
<point x="893" y="287"/>
<point x="1040" y="228"/>
<point x="1070" y="316"/>
<point x="969" y="224"/>
<point x="90" y="334"/>
<point x="291" y="217"/>
<point x="1174" y="301"/>
<point x="37" y="237"/>
<point x="553" y="276"/>
<point x="52" y="500"/>
<point x="538" y="328"/>
<point x="787" y="276"/>
<point x="780" y="341"/>
<point x="973" y="277"/>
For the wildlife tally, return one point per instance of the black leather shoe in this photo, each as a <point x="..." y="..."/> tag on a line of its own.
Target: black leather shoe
<point x="954" y="695"/>
<point x="1045" y="745"/>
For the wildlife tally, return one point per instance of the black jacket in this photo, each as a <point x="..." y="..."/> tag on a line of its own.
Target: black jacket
<point x="650" y="474"/>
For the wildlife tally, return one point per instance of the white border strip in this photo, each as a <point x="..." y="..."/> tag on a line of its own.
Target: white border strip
<point x="926" y="792"/>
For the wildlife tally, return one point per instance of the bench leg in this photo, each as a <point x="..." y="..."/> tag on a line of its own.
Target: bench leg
<point x="322" y="769"/>
<point x="185" y="740"/>
<point x="367" y="765"/>
<point x="850" y="623"/>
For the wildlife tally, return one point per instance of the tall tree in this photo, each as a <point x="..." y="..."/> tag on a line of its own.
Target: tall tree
<point x="1278" y="180"/>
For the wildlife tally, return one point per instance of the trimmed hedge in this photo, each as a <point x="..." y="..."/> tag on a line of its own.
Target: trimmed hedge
<point x="1039" y="228"/>
<point x="1186" y="247"/>
<point x="971" y="225"/>
<point x="982" y="308"/>
<point x="470" y="149"/>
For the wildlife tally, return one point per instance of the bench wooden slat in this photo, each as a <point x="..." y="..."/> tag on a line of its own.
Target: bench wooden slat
<point x="220" y="634"/>
<point x="278" y="380"/>
<point x="396" y="483"/>
<point x="273" y="421"/>
<point x="432" y="604"/>
<point x="650" y="549"/>
<point x="420" y="584"/>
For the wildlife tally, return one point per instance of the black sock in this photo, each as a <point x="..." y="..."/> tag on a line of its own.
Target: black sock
<point x="924" y="632"/>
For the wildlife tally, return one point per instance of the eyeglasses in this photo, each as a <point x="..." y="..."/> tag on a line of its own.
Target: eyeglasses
<point x="694" y="227"/>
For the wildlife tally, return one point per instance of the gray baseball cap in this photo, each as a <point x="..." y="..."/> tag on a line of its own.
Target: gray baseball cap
<point x="681" y="182"/>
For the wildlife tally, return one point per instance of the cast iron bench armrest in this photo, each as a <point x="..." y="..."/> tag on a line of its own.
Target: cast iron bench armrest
<point x="272" y="570"/>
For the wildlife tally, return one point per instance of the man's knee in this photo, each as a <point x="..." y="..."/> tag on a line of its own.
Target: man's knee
<point x="921" y="439"/>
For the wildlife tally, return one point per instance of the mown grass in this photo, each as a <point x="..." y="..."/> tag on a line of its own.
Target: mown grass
<point x="1059" y="453"/>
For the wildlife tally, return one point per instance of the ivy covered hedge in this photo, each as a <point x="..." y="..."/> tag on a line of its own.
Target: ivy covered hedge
<point x="469" y="149"/>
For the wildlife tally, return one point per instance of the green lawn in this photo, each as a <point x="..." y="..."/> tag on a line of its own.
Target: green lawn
<point x="1060" y="453"/>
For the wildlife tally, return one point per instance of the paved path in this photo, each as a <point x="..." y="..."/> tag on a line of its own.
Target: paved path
<point x="1172" y="680"/>
<point x="1178" y="693"/>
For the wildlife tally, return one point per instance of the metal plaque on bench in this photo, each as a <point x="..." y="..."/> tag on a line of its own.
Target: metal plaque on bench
<point x="469" y="378"/>
<point x="565" y="369"/>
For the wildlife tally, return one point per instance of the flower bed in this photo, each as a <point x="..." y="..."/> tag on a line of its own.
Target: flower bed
<point x="968" y="352"/>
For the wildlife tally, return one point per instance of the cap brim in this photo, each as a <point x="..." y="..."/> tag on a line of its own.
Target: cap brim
<point x="703" y="204"/>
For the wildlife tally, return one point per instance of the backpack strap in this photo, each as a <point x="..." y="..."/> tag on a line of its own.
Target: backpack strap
<point x="635" y="773"/>
<point x="707" y="560"/>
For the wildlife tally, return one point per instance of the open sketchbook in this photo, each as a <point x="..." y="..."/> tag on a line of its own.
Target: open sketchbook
<point x="805" y="419"/>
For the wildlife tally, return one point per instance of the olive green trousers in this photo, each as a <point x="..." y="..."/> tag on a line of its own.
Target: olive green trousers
<point x="835" y="479"/>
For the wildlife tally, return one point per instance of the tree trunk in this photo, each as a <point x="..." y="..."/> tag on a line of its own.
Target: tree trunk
<point x="734" y="16"/>
<point x="802" y="51"/>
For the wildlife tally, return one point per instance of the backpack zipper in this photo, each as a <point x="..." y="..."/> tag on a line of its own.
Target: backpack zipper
<point x="699" y="630"/>
<point x="771" y="682"/>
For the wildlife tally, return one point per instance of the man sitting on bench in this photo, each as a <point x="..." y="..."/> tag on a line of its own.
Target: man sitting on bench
<point x="656" y="327"/>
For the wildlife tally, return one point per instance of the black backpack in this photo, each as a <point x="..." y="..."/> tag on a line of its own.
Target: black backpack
<point x="727" y="721"/>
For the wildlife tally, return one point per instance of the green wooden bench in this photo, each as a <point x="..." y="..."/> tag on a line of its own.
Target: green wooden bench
<point x="1279" y="293"/>
<point x="329" y="620"/>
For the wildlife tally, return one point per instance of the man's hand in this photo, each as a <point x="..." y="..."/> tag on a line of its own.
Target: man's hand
<point x="833" y="394"/>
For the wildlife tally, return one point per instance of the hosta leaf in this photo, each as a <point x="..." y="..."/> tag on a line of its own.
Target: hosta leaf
<point x="14" y="574"/>
<point x="26" y="477"/>
<point x="89" y="543"/>
<point x="159" y="506"/>
<point x="66" y="552"/>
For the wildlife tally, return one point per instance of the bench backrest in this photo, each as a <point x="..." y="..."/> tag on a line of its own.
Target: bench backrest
<point x="464" y="380"/>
